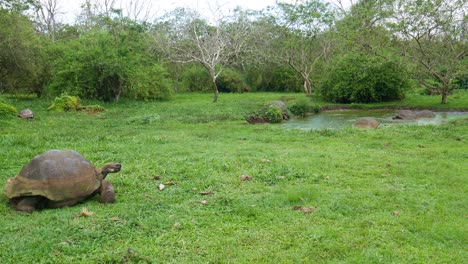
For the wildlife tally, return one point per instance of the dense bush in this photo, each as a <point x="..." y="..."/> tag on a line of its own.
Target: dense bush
<point x="66" y="103"/>
<point x="273" y="79"/>
<point x="22" y="63"/>
<point x="356" y="78"/>
<point x="231" y="81"/>
<point x="149" y="82"/>
<point x="107" y="65"/>
<point x="269" y="113"/>
<point x="7" y="110"/>
<point x="195" y="78"/>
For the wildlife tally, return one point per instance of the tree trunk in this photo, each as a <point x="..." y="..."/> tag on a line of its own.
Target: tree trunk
<point x="216" y="92"/>
<point x="444" y="97"/>
<point x="215" y="86"/>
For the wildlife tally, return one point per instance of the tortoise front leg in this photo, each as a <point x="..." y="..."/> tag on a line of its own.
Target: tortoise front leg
<point x="28" y="204"/>
<point x="106" y="192"/>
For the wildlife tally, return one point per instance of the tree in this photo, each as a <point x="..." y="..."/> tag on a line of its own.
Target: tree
<point x="21" y="55"/>
<point x="46" y="13"/>
<point x="184" y="37"/>
<point x="435" y="35"/>
<point x="297" y="36"/>
<point x="110" y="64"/>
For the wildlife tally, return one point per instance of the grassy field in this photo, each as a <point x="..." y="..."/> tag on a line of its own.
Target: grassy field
<point x="390" y="195"/>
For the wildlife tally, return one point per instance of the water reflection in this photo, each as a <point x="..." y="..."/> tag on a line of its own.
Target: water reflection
<point x="346" y="118"/>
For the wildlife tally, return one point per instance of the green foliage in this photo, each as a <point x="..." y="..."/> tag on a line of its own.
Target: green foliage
<point x="7" y="110"/>
<point x="231" y="81"/>
<point x="273" y="114"/>
<point x="22" y="61"/>
<point x="149" y="82"/>
<point x="196" y="79"/>
<point x="267" y="114"/>
<point x="357" y="78"/>
<point x="273" y="79"/>
<point x="106" y="65"/>
<point x="300" y="107"/>
<point x="66" y="103"/>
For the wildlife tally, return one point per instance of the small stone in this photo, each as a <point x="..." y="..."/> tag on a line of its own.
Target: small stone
<point x="246" y="178"/>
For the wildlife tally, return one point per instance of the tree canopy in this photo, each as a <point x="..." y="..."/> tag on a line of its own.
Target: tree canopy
<point x="309" y="45"/>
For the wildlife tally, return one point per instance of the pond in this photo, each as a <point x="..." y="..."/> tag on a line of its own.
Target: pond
<point x="346" y="118"/>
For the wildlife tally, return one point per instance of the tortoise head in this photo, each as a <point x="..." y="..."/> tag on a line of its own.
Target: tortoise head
<point x="110" y="167"/>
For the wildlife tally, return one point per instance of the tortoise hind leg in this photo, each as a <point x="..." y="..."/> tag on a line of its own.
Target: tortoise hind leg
<point x="28" y="204"/>
<point x="106" y="192"/>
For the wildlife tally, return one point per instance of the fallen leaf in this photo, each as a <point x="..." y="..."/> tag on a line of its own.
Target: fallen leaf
<point x="246" y="178"/>
<point x="206" y="193"/>
<point x="161" y="186"/>
<point x="265" y="160"/>
<point x="204" y="202"/>
<point x="65" y="243"/>
<point x="169" y="183"/>
<point x="306" y="210"/>
<point x="156" y="177"/>
<point x="84" y="213"/>
<point x="116" y="219"/>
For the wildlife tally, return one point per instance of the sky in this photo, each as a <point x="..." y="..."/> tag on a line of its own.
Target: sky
<point x="71" y="8"/>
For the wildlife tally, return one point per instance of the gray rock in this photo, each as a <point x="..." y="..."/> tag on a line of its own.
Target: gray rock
<point x="366" y="122"/>
<point x="406" y="115"/>
<point x="425" y="114"/>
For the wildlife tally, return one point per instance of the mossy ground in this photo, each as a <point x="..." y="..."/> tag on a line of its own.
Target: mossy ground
<point x="392" y="195"/>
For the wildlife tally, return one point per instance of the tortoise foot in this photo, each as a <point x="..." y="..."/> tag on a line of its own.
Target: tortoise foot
<point x="27" y="204"/>
<point x="107" y="193"/>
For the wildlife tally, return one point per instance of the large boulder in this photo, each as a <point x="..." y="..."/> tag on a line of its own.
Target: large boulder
<point x="413" y="115"/>
<point x="281" y="105"/>
<point x="425" y="114"/>
<point x="406" y="115"/>
<point x="366" y="122"/>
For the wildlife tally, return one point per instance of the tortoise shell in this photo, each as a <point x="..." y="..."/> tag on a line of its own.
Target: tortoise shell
<point x="58" y="175"/>
<point x="26" y="113"/>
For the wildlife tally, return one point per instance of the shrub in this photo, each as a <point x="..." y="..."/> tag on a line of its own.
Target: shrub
<point x="196" y="79"/>
<point x="66" y="103"/>
<point x="356" y="78"/>
<point x="299" y="108"/>
<point x="273" y="114"/>
<point x="231" y="81"/>
<point x="274" y="79"/>
<point x="7" y="110"/>
<point x="150" y="82"/>
<point x="267" y="114"/>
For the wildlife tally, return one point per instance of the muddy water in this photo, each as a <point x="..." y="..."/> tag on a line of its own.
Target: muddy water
<point x="346" y="118"/>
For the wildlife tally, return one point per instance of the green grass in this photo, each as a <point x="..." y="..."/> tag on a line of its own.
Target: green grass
<point x="357" y="178"/>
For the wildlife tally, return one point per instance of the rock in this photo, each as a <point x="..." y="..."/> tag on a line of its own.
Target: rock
<point x="412" y="115"/>
<point x="281" y="105"/>
<point x="425" y="114"/>
<point x="26" y="113"/>
<point x="366" y="122"/>
<point x="406" y="115"/>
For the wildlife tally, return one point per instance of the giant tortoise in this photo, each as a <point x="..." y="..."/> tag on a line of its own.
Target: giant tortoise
<point x="59" y="178"/>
